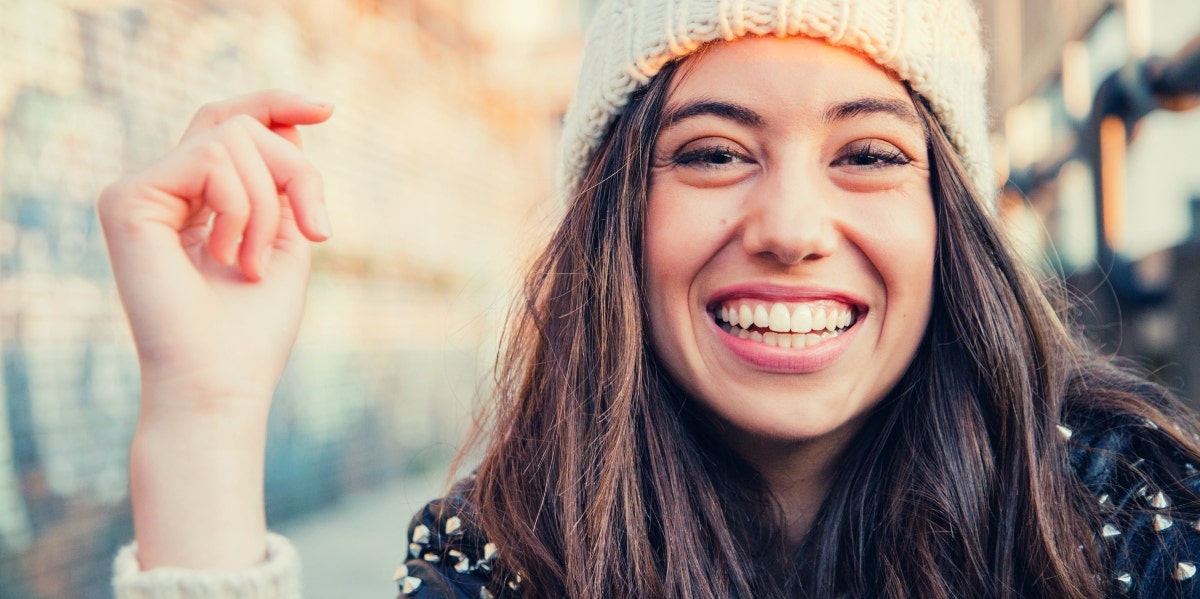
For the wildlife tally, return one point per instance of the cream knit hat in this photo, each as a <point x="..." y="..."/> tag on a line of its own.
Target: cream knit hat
<point x="934" y="45"/>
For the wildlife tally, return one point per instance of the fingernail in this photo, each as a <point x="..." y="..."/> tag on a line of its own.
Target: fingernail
<point x="321" y="221"/>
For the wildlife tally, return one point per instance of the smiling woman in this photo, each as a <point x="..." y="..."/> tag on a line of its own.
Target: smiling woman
<point x="790" y="186"/>
<point x="777" y="347"/>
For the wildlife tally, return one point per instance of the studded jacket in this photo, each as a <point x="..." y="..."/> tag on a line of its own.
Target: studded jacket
<point x="1150" y="531"/>
<point x="1150" y="528"/>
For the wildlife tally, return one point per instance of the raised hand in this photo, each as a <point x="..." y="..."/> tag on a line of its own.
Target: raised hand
<point x="210" y="249"/>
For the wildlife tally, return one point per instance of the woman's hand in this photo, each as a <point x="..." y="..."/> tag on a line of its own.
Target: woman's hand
<point x="210" y="249"/>
<point x="215" y="307"/>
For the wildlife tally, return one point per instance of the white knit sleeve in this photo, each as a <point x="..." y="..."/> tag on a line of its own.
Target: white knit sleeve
<point x="277" y="577"/>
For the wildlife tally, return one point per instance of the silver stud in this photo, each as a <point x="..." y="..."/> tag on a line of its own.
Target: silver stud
<point x="1160" y="501"/>
<point x="1161" y="522"/>
<point x="1124" y="581"/>
<point x="462" y="565"/>
<point x="1196" y="525"/>
<point x="1065" y="432"/>
<point x="453" y="525"/>
<point x="1143" y="491"/>
<point x="485" y="594"/>
<point x="410" y="585"/>
<point x="400" y="573"/>
<point x="489" y="552"/>
<point x="1138" y="463"/>
<point x="1104" y="499"/>
<point x="420" y="534"/>
<point x="414" y="550"/>
<point x="431" y="557"/>
<point x="1184" y="570"/>
<point x="1110" y="531"/>
<point x="1150" y="423"/>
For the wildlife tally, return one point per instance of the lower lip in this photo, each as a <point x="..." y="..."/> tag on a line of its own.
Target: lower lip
<point x="788" y="360"/>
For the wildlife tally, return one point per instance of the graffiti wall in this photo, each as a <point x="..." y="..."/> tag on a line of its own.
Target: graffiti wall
<point x="436" y="172"/>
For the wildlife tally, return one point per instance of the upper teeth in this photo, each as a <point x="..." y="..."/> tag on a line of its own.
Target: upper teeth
<point x="779" y="318"/>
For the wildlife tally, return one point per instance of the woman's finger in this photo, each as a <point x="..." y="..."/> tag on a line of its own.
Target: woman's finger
<point x="269" y="107"/>
<point x="296" y="178"/>
<point x="261" y="190"/>
<point x="246" y="224"/>
<point x="238" y="172"/>
<point x="225" y="194"/>
<point x="290" y="133"/>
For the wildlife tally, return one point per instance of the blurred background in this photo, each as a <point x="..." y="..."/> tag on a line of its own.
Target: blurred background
<point x="438" y="164"/>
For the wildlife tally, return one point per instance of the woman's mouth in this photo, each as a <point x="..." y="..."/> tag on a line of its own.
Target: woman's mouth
<point x="785" y="324"/>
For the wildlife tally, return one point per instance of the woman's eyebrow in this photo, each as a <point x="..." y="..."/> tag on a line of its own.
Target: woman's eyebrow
<point x="866" y="106"/>
<point x="726" y="110"/>
<point x="838" y="112"/>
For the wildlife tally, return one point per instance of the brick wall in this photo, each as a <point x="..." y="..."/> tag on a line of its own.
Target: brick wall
<point x="436" y="172"/>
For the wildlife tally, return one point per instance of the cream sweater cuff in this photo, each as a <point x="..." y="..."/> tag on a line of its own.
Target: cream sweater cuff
<point x="278" y="577"/>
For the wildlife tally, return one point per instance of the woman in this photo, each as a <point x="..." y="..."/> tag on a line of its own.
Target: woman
<point x="776" y="347"/>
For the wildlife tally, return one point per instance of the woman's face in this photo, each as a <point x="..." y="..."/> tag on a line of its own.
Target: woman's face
<point x="789" y="238"/>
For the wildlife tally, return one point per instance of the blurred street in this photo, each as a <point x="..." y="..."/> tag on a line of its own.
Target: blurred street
<point x="351" y="547"/>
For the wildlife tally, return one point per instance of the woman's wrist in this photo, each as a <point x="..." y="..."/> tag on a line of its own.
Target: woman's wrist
<point x="196" y="485"/>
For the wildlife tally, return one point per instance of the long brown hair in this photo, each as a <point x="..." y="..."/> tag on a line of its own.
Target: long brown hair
<point x="600" y="479"/>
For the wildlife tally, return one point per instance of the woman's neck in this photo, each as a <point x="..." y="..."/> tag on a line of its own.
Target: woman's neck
<point x="799" y="474"/>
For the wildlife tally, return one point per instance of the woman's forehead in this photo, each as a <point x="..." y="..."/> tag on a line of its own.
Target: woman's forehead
<point x="763" y="62"/>
<point x="785" y="75"/>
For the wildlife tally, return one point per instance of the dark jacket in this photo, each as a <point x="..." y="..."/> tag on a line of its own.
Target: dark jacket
<point x="1150" y="529"/>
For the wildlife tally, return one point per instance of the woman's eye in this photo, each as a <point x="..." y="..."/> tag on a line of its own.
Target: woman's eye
<point x="709" y="157"/>
<point x="872" y="154"/>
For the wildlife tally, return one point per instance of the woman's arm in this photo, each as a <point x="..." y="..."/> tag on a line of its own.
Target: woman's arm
<point x="210" y="250"/>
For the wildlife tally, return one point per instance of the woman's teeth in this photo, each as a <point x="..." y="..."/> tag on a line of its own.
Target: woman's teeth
<point x="779" y="325"/>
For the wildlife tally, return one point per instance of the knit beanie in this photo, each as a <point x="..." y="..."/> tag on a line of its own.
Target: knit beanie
<point x="933" y="45"/>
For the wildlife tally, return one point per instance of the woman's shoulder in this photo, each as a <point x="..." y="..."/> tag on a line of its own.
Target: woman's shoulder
<point x="447" y="555"/>
<point x="1147" y="495"/>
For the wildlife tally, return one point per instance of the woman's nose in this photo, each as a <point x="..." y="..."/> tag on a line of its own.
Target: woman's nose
<point x="789" y="219"/>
